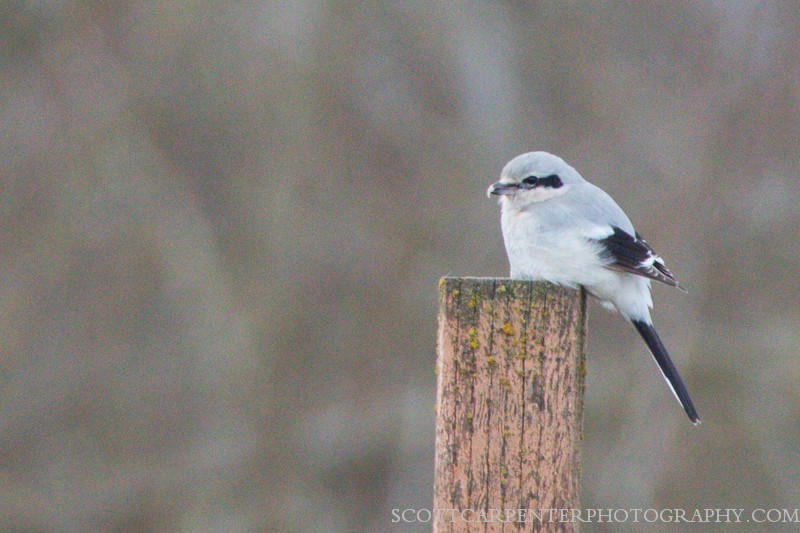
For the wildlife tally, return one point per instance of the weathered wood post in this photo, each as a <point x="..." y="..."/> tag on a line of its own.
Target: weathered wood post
<point x="509" y="404"/>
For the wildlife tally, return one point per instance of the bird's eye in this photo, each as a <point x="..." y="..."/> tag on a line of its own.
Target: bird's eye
<point x="530" y="180"/>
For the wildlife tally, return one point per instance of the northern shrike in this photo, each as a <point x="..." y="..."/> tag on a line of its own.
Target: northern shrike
<point x="557" y="227"/>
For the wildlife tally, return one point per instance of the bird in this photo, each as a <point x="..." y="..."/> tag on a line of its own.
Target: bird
<point x="558" y="227"/>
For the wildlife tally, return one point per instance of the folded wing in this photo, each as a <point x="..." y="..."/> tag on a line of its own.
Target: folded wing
<point x="631" y="253"/>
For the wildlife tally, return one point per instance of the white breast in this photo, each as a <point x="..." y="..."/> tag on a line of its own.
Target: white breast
<point x="565" y="257"/>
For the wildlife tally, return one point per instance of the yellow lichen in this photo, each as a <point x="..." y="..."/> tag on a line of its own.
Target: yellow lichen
<point x="473" y="338"/>
<point x="508" y="329"/>
<point x="473" y="301"/>
<point x="492" y="362"/>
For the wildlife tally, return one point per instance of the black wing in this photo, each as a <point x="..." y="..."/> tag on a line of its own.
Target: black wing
<point x="632" y="254"/>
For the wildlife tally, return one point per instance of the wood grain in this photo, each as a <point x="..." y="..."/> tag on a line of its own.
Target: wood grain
<point x="509" y="404"/>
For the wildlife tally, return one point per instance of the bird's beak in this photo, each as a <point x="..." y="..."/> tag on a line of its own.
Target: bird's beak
<point x="500" y="189"/>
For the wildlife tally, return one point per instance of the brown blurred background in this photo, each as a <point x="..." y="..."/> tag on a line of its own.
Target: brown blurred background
<point x="223" y="225"/>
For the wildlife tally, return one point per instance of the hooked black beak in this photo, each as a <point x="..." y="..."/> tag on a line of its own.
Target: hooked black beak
<point x="500" y="189"/>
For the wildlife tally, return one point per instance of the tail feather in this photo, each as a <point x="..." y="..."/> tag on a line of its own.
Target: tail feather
<point x="670" y="373"/>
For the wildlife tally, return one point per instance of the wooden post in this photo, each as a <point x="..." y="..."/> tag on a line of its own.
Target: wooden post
<point x="509" y="405"/>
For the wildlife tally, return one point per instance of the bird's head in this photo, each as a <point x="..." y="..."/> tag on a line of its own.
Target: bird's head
<point x="533" y="177"/>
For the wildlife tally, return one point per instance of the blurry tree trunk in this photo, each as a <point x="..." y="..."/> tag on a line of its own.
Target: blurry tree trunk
<point x="509" y="404"/>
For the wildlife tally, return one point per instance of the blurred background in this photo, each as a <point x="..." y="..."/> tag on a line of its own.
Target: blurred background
<point x="223" y="224"/>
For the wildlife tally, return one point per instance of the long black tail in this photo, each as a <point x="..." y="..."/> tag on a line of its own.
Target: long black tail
<point x="648" y="333"/>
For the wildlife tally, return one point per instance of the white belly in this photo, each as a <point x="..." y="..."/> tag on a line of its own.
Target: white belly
<point x="567" y="257"/>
